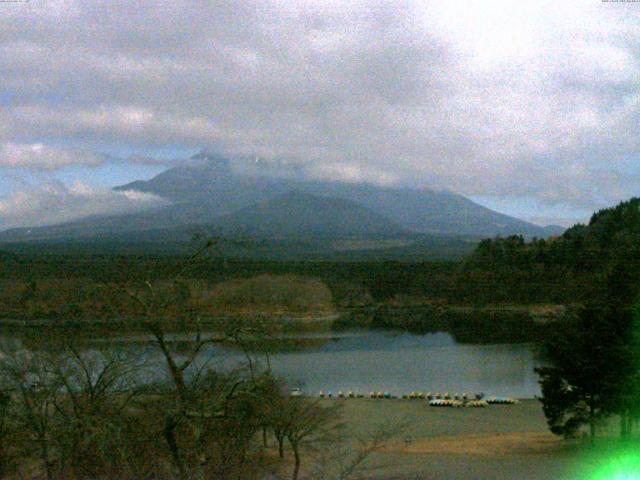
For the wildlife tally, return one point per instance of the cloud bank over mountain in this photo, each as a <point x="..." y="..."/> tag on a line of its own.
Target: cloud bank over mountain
<point x="53" y="202"/>
<point x="533" y="99"/>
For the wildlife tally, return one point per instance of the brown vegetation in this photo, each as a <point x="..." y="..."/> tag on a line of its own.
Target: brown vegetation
<point x="76" y="299"/>
<point x="271" y="294"/>
<point x="491" y="444"/>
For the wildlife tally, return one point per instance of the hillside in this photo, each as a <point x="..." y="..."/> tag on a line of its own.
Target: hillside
<point x="612" y="234"/>
<point x="602" y="256"/>
<point x="300" y="215"/>
<point x="210" y="180"/>
<point x="206" y="192"/>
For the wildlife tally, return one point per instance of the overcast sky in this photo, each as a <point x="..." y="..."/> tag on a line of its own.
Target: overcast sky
<point x="528" y="107"/>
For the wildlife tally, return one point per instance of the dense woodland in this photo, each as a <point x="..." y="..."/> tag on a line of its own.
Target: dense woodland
<point x="503" y="271"/>
<point x="594" y="351"/>
<point x="582" y="258"/>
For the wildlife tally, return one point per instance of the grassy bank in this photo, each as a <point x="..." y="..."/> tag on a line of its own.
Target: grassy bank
<point x="496" y="442"/>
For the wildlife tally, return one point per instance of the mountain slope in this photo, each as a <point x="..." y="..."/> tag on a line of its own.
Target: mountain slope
<point x="206" y="190"/>
<point x="301" y="215"/>
<point x="208" y="183"/>
<point x="428" y="211"/>
<point x="213" y="182"/>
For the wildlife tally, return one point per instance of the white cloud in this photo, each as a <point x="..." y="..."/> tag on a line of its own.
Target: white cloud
<point x="496" y="97"/>
<point x="45" y="157"/>
<point x="42" y="157"/>
<point x="53" y="202"/>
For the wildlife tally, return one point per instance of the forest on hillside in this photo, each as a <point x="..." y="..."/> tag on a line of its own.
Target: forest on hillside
<point x="502" y="271"/>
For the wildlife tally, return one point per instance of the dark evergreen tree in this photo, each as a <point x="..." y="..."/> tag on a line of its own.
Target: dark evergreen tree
<point x="591" y="366"/>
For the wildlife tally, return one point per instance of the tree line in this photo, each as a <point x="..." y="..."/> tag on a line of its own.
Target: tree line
<point x="594" y="351"/>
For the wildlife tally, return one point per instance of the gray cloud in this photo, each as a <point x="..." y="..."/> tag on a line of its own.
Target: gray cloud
<point x="45" y="157"/>
<point x="53" y="202"/>
<point x="535" y="99"/>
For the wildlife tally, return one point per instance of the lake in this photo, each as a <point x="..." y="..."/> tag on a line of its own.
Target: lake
<point x="380" y="360"/>
<point x="401" y="362"/>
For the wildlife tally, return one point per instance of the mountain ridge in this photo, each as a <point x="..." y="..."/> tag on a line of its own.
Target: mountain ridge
<point x="421" y="210"/>
<point x="206" y="190"/>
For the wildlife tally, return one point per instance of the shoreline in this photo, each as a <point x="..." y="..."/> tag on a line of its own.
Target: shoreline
<point x="132" y="322"/>
<point x="409" y="316"/>
<point x="436" y="443"/>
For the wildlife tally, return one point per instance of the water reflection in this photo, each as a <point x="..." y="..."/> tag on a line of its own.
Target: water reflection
<point x="364" y="360"/>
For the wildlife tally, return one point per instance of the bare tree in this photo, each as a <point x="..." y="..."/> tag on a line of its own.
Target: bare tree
<point x="204" y="405"/>
<point x="5" y="405"/>
<point x="159" y="306"/>
<point x="34" y="388"/>
<point x="305" y="423"/>
<point x="68" y="404"/>
<point x="96" y="391"/>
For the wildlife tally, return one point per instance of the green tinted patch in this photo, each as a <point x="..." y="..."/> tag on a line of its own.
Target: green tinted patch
<point x="617" y="465"/>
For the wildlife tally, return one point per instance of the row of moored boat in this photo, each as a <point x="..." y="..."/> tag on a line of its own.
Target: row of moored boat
<point x="435" y="399"/>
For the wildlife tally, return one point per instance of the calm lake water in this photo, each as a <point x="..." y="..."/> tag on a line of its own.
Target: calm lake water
<point x="365" y="360"/>
<point x="401" y="362"/>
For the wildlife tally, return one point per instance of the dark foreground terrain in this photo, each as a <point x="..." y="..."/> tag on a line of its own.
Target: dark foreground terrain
<point x="496" y="442"/>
